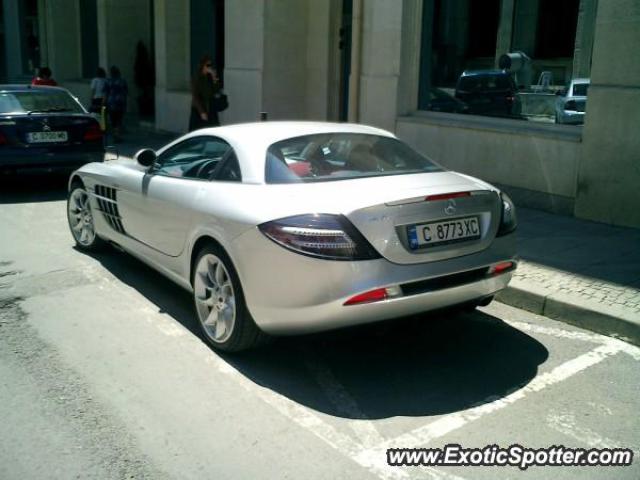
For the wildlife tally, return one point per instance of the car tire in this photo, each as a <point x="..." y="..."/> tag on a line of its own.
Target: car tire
<point x="81" y="221"/>
<point x="222" y="312"/>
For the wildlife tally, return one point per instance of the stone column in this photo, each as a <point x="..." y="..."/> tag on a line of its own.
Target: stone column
<point x="13" y="39"/>
<point x="505" y="28"/>
<point x="172" y="27"/>
<point x="525" y="26"/>
<point x="609" y="170"/>
<point x="121" y="24"/>
<point x="380" y="68"/>
<point x="244" y="59"/>
<point x="60" y="43"/>
<point x="584" y="38"/>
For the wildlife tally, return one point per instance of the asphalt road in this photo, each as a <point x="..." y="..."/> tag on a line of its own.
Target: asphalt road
<point x="103" y="375"/>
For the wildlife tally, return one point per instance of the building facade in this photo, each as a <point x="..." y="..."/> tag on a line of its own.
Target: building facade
<point x="380" y="62"/>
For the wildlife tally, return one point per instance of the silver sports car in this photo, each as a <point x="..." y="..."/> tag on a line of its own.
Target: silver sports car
<point x="295" y="227"/>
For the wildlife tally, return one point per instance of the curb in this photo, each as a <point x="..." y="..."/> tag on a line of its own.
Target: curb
<point x="584" y="313"/>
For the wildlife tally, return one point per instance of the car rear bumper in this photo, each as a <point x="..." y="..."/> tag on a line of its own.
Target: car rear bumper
<point x="21" y="163"/>
<point x="289" y="293"/>
<point x="571" y="117"/>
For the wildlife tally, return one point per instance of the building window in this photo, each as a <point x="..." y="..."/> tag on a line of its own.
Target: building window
<point x="518" y="59"/>
<point x="89" y="37"/>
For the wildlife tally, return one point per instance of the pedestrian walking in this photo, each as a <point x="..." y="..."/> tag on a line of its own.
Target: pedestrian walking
<point x="97" y="90"/>
<point x="115" y="98"/>
<point x="207" y="97"/>
<point x="44" y="78"/>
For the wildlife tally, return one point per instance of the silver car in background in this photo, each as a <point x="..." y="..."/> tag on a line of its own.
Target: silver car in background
<point x="295" y="227"/>
<point x="571" y="103"/>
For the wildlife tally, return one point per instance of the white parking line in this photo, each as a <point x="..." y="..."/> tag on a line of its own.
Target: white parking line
<point x="591" y="337"/>
<point x="424" y="435"/>
<point x="370" y="450"/>
<point x="343" y="402"/>
<point x="312" y="422"/>
<point x="557" y="332"/>
<point x="566" y="423"/>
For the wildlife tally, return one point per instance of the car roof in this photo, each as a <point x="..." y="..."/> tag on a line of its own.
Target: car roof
<point x="469" y="73"/>
<point x="274" y="131"/>
<point x="251" y="140"/>
<point x="581" y="81"/>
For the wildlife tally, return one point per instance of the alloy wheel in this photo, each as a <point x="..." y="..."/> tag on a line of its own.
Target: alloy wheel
<point x="81" y="218"/>
<point x="215" y="298"/>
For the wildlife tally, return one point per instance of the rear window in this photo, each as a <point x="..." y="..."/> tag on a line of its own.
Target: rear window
<point x="38" y="101"/>
<point x="580" y="89"/>
<point x="339" y="156"/>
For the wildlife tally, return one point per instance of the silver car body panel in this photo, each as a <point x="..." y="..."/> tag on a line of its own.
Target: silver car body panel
<point x="160" y="219"/>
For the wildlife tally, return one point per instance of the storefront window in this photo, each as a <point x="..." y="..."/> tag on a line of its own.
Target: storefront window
<point x="527" y="60"/>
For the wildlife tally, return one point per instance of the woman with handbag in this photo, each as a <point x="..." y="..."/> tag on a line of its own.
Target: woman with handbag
<point x="207" y="98"/>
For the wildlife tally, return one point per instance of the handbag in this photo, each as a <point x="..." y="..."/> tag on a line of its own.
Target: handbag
<point x="220" y="101"/>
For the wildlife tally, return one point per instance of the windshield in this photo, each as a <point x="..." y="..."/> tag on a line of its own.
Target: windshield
<point x="38" y="101"/>
<point x="338" y="156"/>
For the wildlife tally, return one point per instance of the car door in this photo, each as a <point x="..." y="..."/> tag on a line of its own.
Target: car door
<point x="157" y="209"/>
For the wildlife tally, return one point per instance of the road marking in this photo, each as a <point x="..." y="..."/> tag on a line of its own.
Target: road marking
<point x="591" y="337"/>
<point x="312" y="422"/>
<point x="424" y="435"/>
<point x="342" y="400"/>
<point x="557" y="332"/>
<point x="566" y="423"/>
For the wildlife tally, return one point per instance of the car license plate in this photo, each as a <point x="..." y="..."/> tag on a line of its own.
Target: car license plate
<point x="443" y="232"/>
<point x="47" y="137"/>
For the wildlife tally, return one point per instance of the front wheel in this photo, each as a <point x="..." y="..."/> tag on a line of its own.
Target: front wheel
<point x="219" y="300"/>
<point x="81" y="221"/>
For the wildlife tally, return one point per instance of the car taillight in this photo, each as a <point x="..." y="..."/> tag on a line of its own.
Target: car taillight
<point x="508" y="218"/>
<point x="501" y="267"/>
<point x="93" y="133"/>
<point x="325" y="236"/>
<point x="447" y="196"/>
<point x="375" y="295"/>
<point x="3" y="139"/>
<point x="510" y="99"/>
<point x="570" y="105"/>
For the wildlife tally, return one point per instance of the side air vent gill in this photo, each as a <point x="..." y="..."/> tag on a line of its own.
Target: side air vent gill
<point x="108" y="205"/>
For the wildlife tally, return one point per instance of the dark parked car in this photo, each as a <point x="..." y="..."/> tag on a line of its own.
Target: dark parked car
<point x="45" y="129"/>
<point x="489" y="92"/>
<point x="441" y="101"/>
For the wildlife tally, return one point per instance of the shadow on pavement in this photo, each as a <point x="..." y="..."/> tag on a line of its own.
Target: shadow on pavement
<point x="33" y="188"/>
<point x="420" y="366"/>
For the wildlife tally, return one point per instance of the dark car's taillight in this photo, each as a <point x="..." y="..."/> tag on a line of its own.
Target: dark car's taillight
<point x="3" y="139"/>
<point x="325" y="236"/>
<point x="93" y="133"/>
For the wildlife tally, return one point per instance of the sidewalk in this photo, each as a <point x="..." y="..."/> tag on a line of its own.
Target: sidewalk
<point x="580" y="272"/>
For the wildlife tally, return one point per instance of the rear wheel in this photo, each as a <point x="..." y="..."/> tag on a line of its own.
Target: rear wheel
<point x="80" y="218"/>
<point x="219" y="300"/>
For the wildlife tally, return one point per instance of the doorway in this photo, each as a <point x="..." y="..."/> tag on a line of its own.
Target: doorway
<point x="207" y="33"/>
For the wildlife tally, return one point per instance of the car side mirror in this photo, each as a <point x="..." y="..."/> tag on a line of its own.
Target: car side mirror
<point x="145" y="157"/>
